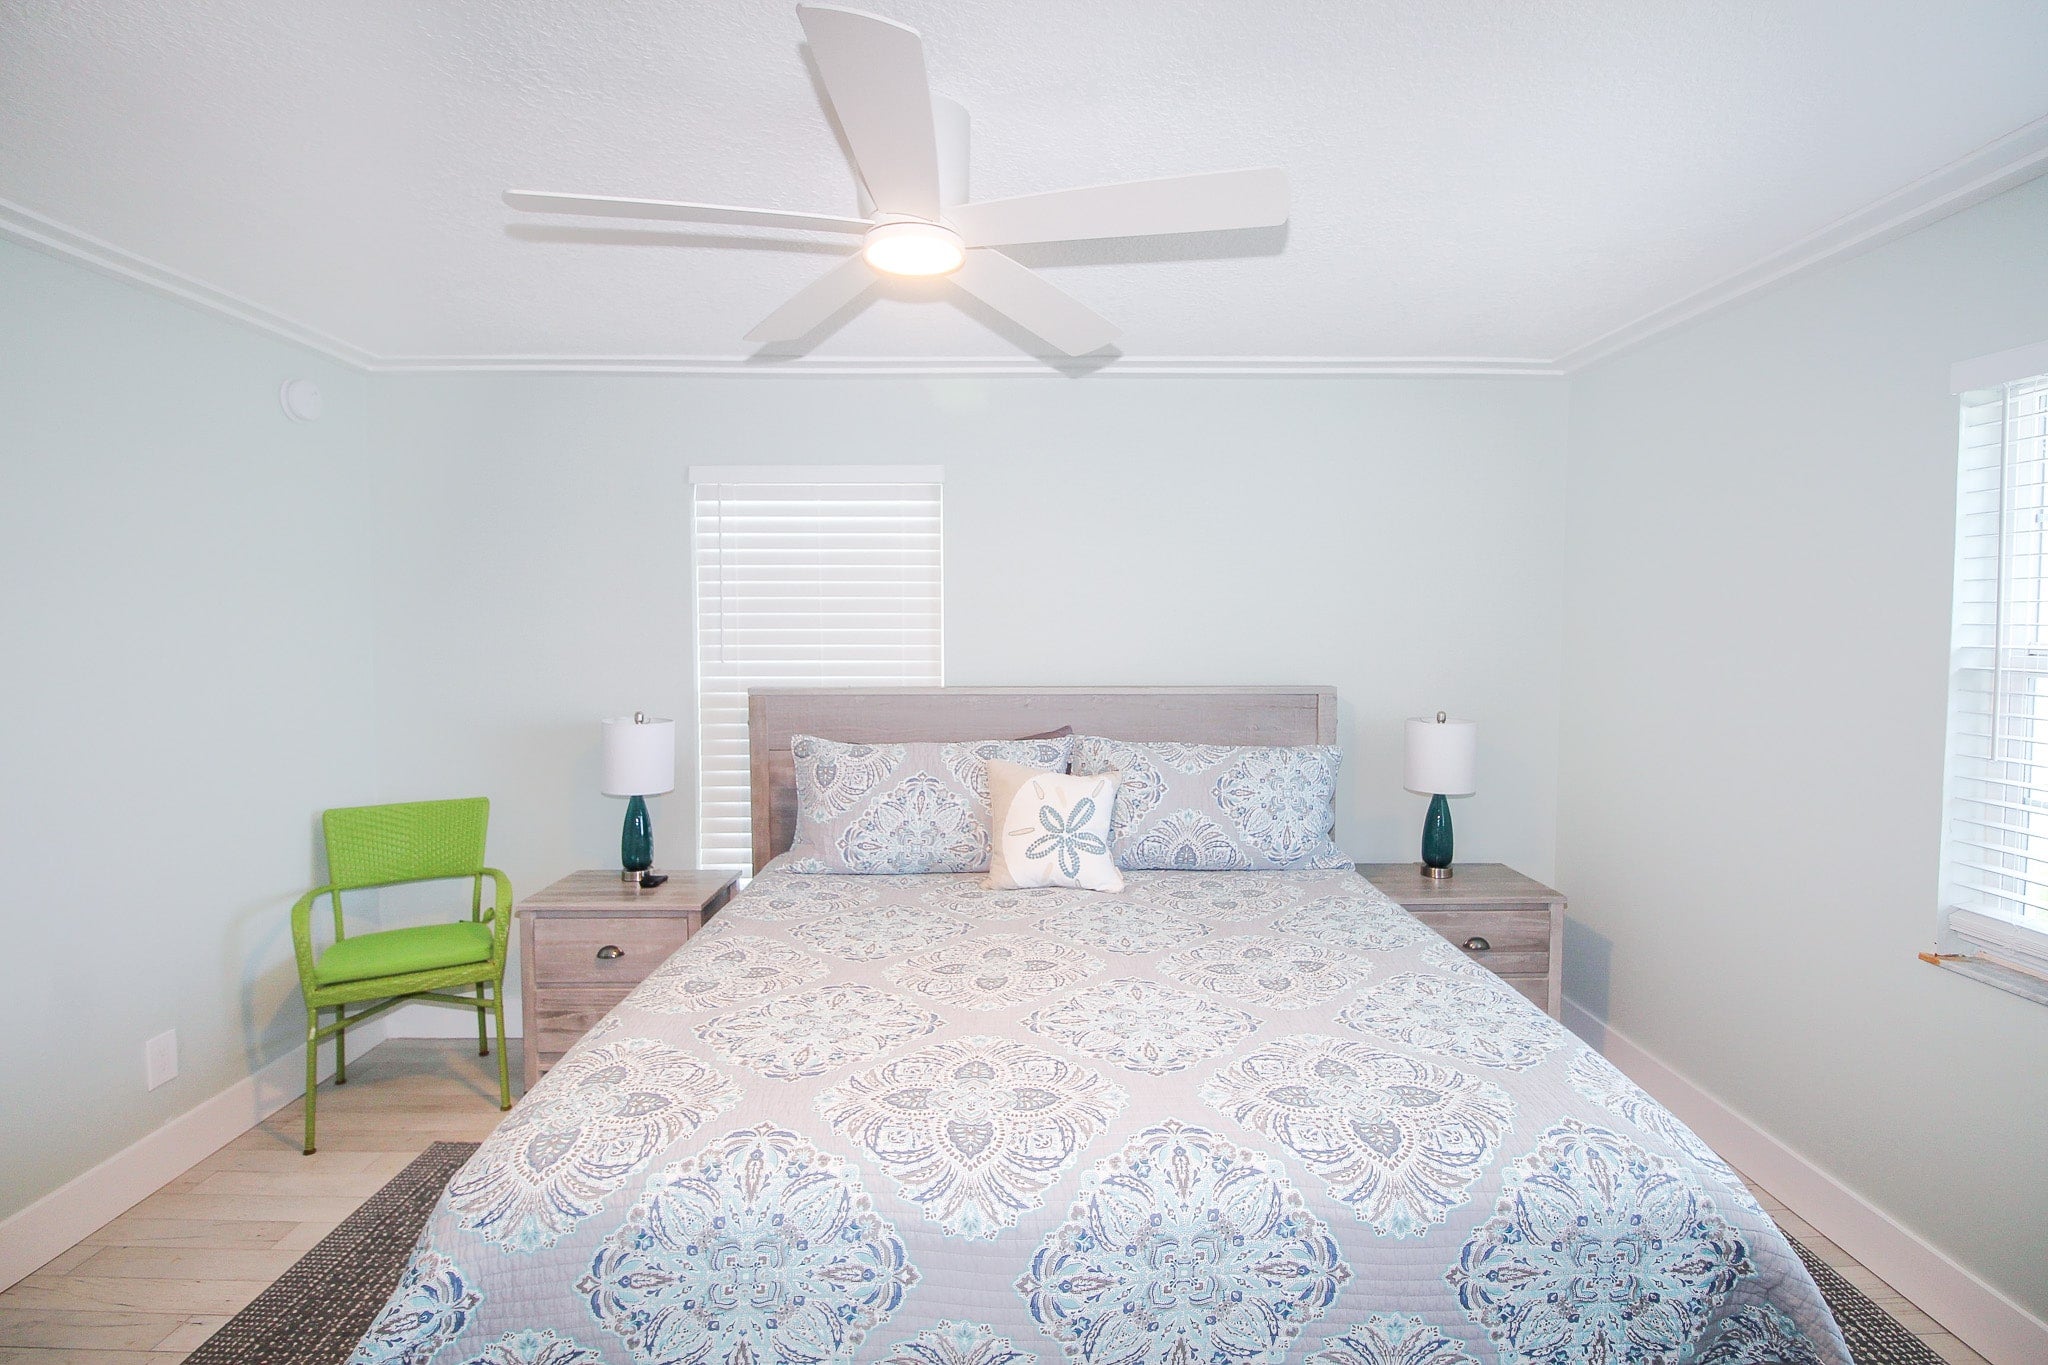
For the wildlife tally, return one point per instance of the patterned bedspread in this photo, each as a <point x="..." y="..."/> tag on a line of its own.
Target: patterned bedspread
<point x="1220" y="1117"/>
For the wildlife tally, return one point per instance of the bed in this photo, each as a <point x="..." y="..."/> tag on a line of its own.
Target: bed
<point x="1214" y="1117"/>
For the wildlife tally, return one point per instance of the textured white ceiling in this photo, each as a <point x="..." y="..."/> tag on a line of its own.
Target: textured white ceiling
<point x="1489" y="178"/>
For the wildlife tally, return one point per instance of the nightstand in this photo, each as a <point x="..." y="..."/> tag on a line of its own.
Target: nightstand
<point x="1509" y="924"/>
<point x="589" y="939"/>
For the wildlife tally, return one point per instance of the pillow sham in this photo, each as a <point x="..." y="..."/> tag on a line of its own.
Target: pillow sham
<point x="1219" y="807"/>
<point x="1050" y="829"/>
<point x="873" y="808"/>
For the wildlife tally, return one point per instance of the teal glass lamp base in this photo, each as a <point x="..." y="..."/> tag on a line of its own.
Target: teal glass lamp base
<point x="636" y="840"/>
<point x="1436" y="838"/>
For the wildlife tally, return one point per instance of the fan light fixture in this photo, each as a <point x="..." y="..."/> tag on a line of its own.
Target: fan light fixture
<point x="914" y="249"/>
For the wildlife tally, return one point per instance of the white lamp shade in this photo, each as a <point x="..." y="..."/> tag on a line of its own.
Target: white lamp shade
<point x="639" y="756"/>
<point x="1442" y="756"/>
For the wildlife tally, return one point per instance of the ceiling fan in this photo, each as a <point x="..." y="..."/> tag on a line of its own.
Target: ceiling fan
<point x="910" y="150"/>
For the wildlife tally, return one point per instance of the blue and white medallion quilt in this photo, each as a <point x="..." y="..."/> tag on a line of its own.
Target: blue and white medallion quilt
<point x="1219" y="1118"/>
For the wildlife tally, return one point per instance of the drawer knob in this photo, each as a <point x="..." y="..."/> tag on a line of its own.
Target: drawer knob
<point x="610" y="952"/>
<point x="1474" y="944"/>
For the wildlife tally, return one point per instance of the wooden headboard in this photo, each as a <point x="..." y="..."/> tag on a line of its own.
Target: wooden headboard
<point x="887" y="715"/>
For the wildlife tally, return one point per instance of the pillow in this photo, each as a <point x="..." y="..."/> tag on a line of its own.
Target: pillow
<point x="900" y="807"/>
<point x="1219" y="807"/>
<point x="1049" y="829"/>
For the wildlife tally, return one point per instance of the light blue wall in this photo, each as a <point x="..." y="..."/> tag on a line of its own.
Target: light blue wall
<point x="185" y="600"/>
<point x="1761" y="522"/>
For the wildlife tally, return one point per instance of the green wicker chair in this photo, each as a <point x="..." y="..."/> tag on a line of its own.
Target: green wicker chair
<point x="370" y="846"/>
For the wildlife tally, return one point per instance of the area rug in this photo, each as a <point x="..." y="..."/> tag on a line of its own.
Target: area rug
<point x="1875" y="1337"/>
<point x="320" y="1308"/>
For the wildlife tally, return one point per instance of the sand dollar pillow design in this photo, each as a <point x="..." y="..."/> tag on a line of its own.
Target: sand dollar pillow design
<point x="1049" y="829"/>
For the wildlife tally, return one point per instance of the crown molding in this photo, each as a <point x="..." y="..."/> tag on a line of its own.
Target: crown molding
<point x="30" y="228"/>
<point x="24" y="225"/>
<point x="1023" y="367"/>
<point x="1997" y="166"/>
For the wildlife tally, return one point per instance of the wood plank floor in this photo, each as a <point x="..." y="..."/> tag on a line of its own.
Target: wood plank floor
<point x="152" y="1284"/>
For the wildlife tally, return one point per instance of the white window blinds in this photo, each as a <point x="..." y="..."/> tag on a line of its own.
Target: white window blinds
<point x="807" y="576"/>
<point x="1996" y="851"/>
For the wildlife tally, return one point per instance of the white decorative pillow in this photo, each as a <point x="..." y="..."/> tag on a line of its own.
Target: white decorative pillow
<point x="1050" y="829"/>
<point x="900" y="807"/>
<point x="1219" y="807"/>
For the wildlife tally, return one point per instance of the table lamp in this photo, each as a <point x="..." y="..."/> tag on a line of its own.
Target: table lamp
<point x="639" y="762"/>
<point x="1441" y="756"/>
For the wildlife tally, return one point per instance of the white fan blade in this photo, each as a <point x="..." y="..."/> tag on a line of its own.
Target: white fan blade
<point x="1211" y="202"/>
<point x="605" y="206"/>
<point x="816" y="301"/>
<point x="1027" y="299"/>
<point x="873" y="70"/>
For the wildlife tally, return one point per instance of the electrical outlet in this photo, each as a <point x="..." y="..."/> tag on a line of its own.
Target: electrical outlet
<point x="160" y="1058"/>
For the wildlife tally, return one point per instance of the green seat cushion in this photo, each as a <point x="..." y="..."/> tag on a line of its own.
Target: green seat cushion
<point x="394" y="952"/>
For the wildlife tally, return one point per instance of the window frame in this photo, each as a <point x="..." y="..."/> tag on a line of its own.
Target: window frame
<point x="1986" y="940"/>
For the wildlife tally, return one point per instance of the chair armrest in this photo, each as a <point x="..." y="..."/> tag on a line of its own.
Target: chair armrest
<point x="302" y="932"/>
<point x="499" y="916"/>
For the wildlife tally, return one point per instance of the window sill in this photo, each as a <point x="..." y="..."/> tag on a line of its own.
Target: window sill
<point x="2006" y="979"/>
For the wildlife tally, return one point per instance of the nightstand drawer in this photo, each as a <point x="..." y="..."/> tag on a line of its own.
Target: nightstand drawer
<point x="1536" y="988"/>
<point x="562" y="1014"/>
<point x="605" y="950"/>
<point x="1511" y="964"/>
<point x="1506" y="941"/>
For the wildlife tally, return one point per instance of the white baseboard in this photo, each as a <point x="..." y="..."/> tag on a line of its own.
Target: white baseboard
<point x="1982" y="1316"/>
<point x="74" y="1211"/>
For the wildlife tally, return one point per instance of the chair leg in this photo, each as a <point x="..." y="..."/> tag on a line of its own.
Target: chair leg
<point x="312" y="1071"/>
<point x="483" y="1042"/>
<point x="341" y="1048"/>
<point x="504" y="1068"/>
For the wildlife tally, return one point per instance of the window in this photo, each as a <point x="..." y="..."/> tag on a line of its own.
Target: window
<point x="1995" y="853"/>
<point x="807" y="576"/>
